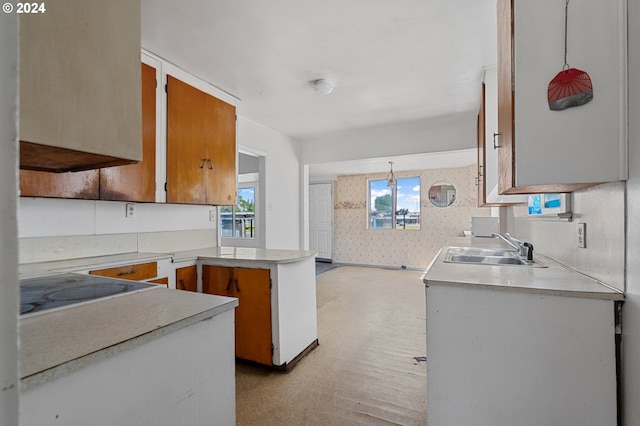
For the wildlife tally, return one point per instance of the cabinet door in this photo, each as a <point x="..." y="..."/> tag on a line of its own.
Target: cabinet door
<point x="253" y="315"/>
<point x="217" y="280"/>
<point x="187" y="115"/>
<point x="221" y="153"/>
<point x="201" y="147"/>
<point x="187" y="278"/>
<point x="136" y="182"/>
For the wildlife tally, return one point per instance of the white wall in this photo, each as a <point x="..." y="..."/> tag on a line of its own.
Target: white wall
<point x="8" y="227"/>
<point x="282" y="180"/>
<point x="631" y="308"/>
<point x="601" y="208"/>
<point x="449" y="133"/>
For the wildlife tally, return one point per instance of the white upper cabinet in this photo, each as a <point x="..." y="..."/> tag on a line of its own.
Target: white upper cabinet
<point x="80" y="92"/>
<point x="560" y="151"/>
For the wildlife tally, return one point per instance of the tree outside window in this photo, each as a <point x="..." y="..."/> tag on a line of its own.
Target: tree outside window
<point x="396" y="207"/>
<point x="239" y="221"/>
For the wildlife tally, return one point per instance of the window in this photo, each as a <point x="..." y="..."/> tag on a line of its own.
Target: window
<point x="239" y="221"/>
<point x="394" y="207"/>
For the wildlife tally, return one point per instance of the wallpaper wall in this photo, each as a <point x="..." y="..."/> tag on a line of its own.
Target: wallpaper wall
<point x="354" y="243"/>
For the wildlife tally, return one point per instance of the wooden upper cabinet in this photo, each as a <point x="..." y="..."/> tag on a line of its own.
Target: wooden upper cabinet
<point x="137" y="182"/>
<point x="80" y="86"/>
<point x="201" y="147"/>
<point x="83" y="185"/>
<point x="133" y="182"/>
<point x="541" y="150"/>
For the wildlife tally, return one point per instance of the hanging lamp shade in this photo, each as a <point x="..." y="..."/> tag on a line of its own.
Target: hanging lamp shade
<point x="570" y="87"/>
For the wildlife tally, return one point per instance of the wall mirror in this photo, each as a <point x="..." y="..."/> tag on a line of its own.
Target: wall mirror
<point x="442" y="194"/>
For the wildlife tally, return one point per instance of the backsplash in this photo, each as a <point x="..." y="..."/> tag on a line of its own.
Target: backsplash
<point x="56" y="229"/>
<point x="602" y="209"/>
<point x="355" y="244"/>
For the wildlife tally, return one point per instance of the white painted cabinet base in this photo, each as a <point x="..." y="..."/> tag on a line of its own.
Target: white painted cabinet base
<point x="504" y="358"/>
<point x="186" y="377"/>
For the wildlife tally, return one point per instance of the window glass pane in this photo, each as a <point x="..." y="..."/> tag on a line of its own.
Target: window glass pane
<point x="245" y="213"/>
<point x="380" y="205"/>
<point x="408" y="203"/>
<point x="239" y="221"/>
<point x="226" y="221"/>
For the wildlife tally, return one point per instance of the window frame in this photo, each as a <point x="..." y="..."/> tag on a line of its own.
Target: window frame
<point x="394" y="205"/>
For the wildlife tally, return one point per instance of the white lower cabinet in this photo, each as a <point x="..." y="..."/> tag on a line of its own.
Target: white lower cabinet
<point x="504" y="358"/>
<point x="186" y="377"/>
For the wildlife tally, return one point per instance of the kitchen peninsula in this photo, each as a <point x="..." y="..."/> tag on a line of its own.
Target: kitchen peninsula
<point x="166" y="347"/>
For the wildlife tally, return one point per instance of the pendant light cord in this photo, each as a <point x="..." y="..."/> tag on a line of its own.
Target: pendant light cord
<point x="566" y="19"/>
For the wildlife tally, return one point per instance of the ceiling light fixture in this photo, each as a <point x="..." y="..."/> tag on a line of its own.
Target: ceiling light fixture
<point x="391" y="178"/>
<point x="322" y="86"/>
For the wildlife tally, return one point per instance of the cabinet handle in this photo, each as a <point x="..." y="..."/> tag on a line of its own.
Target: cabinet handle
<point x="202" y="163"/>
<point x="495" y="146"/>
<point x="182" y="286"/>
<point x="237" y="286"/>
<point x="210" y="164"/>
<point x="229" y="284"/>
<point x="127" y="272"/>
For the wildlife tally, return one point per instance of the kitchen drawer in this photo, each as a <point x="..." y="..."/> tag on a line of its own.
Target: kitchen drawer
<point x="141" y="271"/>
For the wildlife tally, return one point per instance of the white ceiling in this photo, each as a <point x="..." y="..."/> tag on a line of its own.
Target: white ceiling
<point x="389" y="61"/>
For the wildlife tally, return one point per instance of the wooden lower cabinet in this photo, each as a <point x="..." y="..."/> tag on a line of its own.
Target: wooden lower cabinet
<point x="253" y="316"/>
<point x="187" y="278"/>
<point x="137" y="272"/>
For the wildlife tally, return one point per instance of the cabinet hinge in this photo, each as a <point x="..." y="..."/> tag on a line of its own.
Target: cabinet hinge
<point x="156" y="83"/>
<point x="166" y="88"/>
<point x="272" y="349"/>
<point x="165" y="187"/>
<point x="270" y="283"/>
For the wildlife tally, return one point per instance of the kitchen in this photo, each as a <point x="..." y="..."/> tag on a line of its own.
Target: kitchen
<point x="285" y="228"/>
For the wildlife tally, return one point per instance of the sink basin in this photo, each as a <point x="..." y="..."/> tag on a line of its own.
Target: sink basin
<point x="487" y="257"/>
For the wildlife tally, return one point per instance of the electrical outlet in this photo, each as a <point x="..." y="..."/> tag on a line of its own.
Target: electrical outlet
<point x="582" y="235"/>
<point x="212" y="215"/>
<point x="131" y="210"/>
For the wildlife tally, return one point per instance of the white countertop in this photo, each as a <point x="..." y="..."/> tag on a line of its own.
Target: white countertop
<point x="54" y="343"/>
<point x="555" y="279"/>
<point x="244" y="254"/>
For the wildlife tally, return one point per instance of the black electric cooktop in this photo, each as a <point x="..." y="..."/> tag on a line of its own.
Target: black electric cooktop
<point x="42" y="293"/>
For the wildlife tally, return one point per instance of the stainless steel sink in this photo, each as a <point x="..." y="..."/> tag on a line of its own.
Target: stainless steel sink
<point x="488" y="257"/>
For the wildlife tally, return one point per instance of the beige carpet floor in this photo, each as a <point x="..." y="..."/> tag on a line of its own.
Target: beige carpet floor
<point x="371" y="329"/>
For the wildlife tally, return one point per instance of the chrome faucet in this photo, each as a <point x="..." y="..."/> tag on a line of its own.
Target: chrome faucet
<point x="525" y="250"/>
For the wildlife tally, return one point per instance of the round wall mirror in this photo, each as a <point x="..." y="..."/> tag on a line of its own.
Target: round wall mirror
<point x="442" y="194"/>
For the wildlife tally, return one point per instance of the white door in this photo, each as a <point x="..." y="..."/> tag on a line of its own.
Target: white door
<point x="321" y="219"/>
